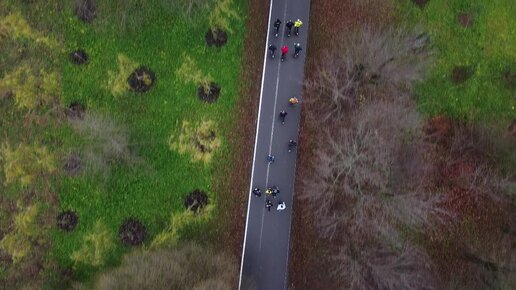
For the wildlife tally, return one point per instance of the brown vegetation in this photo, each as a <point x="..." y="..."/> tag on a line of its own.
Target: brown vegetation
<point x="85" y="10"/>
<point x="184" y="267"/>
<point x="394" y="203"/>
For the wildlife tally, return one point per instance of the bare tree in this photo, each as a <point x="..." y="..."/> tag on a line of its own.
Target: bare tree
<point x="107" y="143"/>
<point x="375" y="266"/>
<point x="85" y="10"/>
<point x="369" y="63"/>
<point x="359" y="204"/>
<point x="185" y="267"/>
<point x="354" y="168"/>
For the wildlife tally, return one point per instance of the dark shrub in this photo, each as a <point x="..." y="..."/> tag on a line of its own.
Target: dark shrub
<point x="509" y="77"/>
<point x="216" y="37"/>
<point x="79" y="57"/>
<point x="75" y="111"/>
<point x="67" y="220"/>
<point x="132" y="232"/>
<point x="420" y="3"/>
<point x="85" y="10"/>
<point x="461" y="74"/>
<point x="142" y="79"/>
<point x="465" y="19"/>
<point x="196" y="200"/>
<point x="72" y="165"/>
<point x="210" y="95"/>
<point x="512" y="128"/>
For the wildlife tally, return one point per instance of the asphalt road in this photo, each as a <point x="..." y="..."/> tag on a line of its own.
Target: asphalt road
<point x="267" y="234"/>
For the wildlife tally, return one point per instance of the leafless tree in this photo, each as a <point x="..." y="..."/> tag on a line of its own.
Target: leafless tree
<point x="85" y="9"/>
<point x="374" y="266"/>
<point x="186" y="7"/>
<point x="358" y="202"/>
<point x="106" y="142"/>
<point x="185" y="267"/>
<point x="354" y="168"/>
<point x="369" y="63"/>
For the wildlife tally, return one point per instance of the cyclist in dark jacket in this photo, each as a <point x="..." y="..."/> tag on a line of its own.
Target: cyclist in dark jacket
<point x="289" y="25"/>
<point x="277" y="25"/>
<point x="272" y="48"/>
<point x="282" y="116"/>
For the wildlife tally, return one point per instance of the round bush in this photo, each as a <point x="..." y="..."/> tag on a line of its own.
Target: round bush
<point x="461" y="74"/>
<point x="512" y="128"/>
<point x="79" y="57"/>
<point x="75" y="111"/>
<point x="85" y="10"/>
<point x="216" y="37"/>
<point x="509" y="77"/>
<point x="211" y="95"/>
<point x="420" y="3"/>
<point x="465" y="19"/>
<point x="142" y="79"/>
<point x="132" y="232"/>
<point x="196" y="200"/>
<point x="72" y="165"/>
<point x="67" y="220"/>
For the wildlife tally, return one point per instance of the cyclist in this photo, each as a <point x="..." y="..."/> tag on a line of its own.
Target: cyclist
<point x="297" y="49"/>
<point x="268" y="204"/>
<point x="291" y="145"/>
<point x="268" y="191"/>
<point x="289" y="25"/>
<point x="282" y="116"/>
<point x="270" y="158"/>
<point x="272" y="48"/>
<point x="284" y="51"/>
<point x="275" y="191"/>
<point x="257" y="192"/>
<point x="293" y="100"/>
<point x="281" y="206"/>
<point x="297" y="25"/>
<point x="277" y="25"/>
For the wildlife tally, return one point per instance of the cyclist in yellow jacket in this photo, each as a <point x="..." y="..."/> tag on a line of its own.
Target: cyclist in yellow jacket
<point x="297" y="25"/>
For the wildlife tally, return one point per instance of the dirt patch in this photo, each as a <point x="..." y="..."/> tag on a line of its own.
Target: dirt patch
<point x="420" y="3"/>
<point x="72" y="165"/>
<point x="132" y="232"/>
<point x="141" y="80"/>
<point x="85" y="10"/>
<point x="460" y="74"/>
<point x="79" y="57"/>
<point x="67" y="220"/>
<point x="76" y="111"/>
<point x="465" y="19"/>
<point x="209" y="95"/>
<point x="216" y="37"/>
<point x="195" y="200"/>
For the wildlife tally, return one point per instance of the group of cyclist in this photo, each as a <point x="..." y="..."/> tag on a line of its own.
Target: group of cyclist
<point x="270" y="192"/>
<point x="284" y="49"/>
<point x="274" y="190"/>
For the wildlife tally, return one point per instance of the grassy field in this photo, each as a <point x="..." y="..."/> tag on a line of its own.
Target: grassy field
<point x="152" y="186"/>
<point x="486" y="47"/>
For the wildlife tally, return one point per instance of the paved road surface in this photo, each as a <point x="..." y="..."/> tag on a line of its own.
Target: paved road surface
<point x="266" y="242"/>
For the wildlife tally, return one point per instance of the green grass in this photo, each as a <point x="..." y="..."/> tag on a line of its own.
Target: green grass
<point x="488" y="46"/>
<point x="154" y="188"/>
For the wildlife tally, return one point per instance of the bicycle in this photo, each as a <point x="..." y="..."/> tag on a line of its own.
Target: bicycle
<point x="272" y="49"/>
